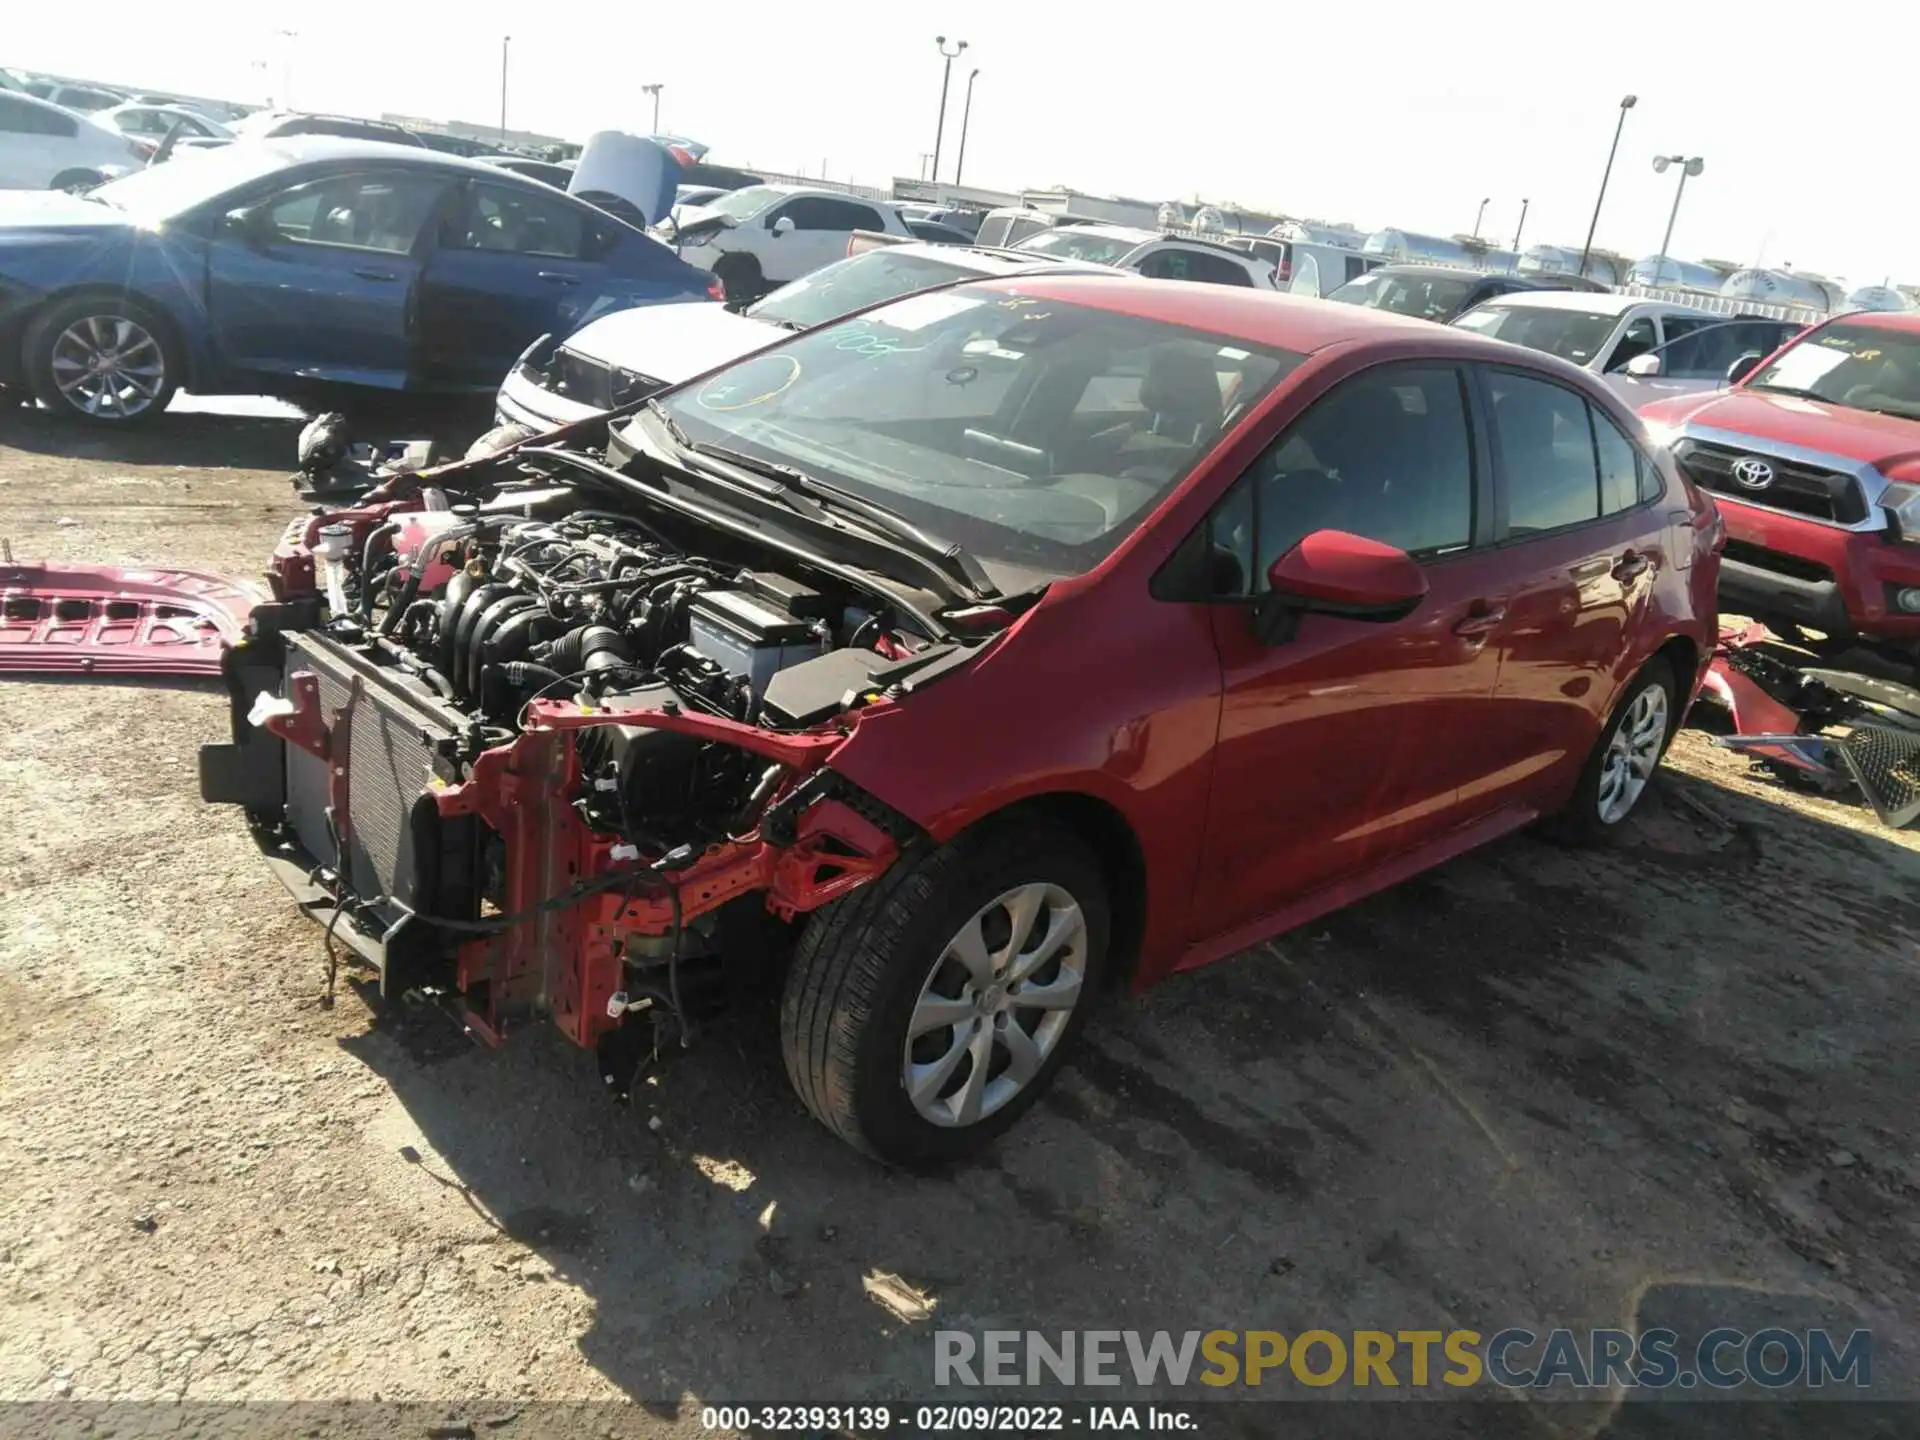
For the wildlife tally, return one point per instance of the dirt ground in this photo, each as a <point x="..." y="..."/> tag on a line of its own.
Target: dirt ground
<point x="1536" y="1087"/>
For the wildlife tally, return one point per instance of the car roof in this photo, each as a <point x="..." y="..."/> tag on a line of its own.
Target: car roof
<point x="1590" y="302"/>
<point x="1906" y="320"/>
<point x="306" y="149"/>
<point x="1462" y="272"/>
<point x="1261" y="317"/>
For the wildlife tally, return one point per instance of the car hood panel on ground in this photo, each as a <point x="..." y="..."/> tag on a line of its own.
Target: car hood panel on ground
<point x="671" y="342"/>
<point x="1883" y="441"/>
<point x="104" y="620"/>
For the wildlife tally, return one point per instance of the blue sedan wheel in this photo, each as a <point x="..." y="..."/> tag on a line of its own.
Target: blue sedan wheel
<point x="102" y="359"/>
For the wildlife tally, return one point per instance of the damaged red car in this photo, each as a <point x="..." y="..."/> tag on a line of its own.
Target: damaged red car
<point x="950" y="661"/>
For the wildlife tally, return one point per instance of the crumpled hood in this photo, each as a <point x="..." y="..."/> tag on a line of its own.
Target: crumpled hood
<point x="39" y="214"/>
<point x="1886" y="442"/>
<point x="671" y="342"/>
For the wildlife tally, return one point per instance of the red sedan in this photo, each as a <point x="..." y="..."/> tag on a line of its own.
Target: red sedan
<point x="958" y="657"/>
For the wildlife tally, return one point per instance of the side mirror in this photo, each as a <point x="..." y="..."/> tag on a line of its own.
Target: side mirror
<point x="1645" y="366"/>
<point x="1331" y="572"/>
<point x="1744" y="366"/>
<point x="782" y="226"/>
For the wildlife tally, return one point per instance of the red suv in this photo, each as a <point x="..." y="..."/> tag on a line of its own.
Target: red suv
<point x="955" y="657"/>
<point x="1814" y="458"/>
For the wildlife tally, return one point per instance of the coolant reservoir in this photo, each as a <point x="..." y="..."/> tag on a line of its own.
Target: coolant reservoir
<point x="416" y="530"/>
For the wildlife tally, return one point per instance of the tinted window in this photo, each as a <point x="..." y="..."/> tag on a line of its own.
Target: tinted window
<point x="521" y="222"/>
<point x="361" y="212"/>
<point x="1638" y="339"/>
<point x="1176" y="263"/>
<point x="1387" y="456"/>
<point x="816" y="212"/>
<point x="1545" y="444"/>
<point x="1705" y="352"/>
<point x="20" y="118"/>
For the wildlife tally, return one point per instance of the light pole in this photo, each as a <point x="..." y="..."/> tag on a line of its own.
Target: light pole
<point x="966" y="118"/>
<point x="286" y="68"/>
<point x="946" y="77"/>
<point x="654" y="91"/>
<point x="1524" y="202"/>
<point x="1627" y="102"/>
<point x="505" y="40"/>
<point x="1480" y="215"/>
<point x="1689" y="166"/>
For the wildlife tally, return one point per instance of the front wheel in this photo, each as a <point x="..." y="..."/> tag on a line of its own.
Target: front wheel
<point x="103" y="359"/>
<point x="928" y="1010"/>
<point x="1621" y="766"/>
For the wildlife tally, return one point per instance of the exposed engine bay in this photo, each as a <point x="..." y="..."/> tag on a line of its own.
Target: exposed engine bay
<point x="511" y="736"/>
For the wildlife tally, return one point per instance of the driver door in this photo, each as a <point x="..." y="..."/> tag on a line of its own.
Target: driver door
<point x="1350" y="743"/>
<point x="321" y="280"/>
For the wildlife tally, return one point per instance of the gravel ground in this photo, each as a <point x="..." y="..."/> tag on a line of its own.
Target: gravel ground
<point x="1535" y="1087"/>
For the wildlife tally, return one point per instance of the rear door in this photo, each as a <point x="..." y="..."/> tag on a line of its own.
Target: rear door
<point x="1584" y="542"/>
<point x="1351" y="742"/>
<point x="512" y="263"/>
<point x="325" y="283"/>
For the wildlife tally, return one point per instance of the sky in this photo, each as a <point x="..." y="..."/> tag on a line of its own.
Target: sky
<point x="1391" y="114"/>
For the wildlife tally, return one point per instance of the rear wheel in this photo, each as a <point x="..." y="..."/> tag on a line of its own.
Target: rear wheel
<point x="927" y="1011"/>
<point x="1621" y="766"/>
<point x="102" y="358"/>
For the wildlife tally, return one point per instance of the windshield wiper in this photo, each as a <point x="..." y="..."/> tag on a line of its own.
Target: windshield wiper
<point x="802" y="493"/>
<point x="953" y="558"/>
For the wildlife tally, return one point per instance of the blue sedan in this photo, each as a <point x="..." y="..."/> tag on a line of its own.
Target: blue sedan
<point x="268" y="267"/>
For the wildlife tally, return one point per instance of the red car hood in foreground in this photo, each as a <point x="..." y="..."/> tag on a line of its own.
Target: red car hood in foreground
<point x="104" y="620"/>
<point x="1886" y="442"/>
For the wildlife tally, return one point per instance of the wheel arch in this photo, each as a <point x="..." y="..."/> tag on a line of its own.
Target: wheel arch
<point x="1116" y="847"/>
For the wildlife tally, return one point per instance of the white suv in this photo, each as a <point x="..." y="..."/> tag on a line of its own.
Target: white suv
<point x="43" y="147"/>
<point x="1156" y="256"/>
<point x="767" y="235"/>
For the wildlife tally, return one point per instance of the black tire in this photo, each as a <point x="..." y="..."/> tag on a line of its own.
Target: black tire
<point x="863" y="962"/>
<point x="741" y="277"/>
<point x="51" y="324"/>
<point x="77" y="181"/>
<point x="1583" y="821"/>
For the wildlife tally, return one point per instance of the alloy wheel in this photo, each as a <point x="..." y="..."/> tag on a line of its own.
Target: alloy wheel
<point x="1632" y="754"/>
<point x="995" y="1004"/>
<point x="109" y="367"/>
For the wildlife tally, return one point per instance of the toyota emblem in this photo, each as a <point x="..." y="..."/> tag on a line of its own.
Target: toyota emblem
<point x="1752" y="473"/>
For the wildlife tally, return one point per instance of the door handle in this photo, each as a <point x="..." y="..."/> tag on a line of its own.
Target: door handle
<point x="559" y="277"/>
<point x="371" y="274"/>
<point x="1483" y="620"/>
<point x="1631" y="566"/>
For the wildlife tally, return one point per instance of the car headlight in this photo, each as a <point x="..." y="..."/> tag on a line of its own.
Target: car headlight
<point x="1902" y="503"/>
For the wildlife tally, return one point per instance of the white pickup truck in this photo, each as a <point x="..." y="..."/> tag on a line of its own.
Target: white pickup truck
<point x="767" y="235"/>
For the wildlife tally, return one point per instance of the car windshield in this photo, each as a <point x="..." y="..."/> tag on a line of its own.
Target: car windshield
<point x="743" y="204"/>
<point x="1862" y="367"/>
<point x="1070" y="242"/>
<point x="1426" y="297"/>
<point x="190" y="178"/>
<point x="1571" y="334"/>
<point x="853" y="284"/>
<point x="1037" y="434"/>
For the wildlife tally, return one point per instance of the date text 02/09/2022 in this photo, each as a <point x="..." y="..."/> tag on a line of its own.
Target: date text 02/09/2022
<point x="865" y="1420"/>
